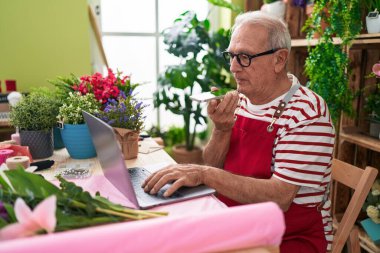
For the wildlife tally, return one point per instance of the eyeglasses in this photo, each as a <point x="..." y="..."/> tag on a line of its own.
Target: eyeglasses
<point x="245" y="59"/>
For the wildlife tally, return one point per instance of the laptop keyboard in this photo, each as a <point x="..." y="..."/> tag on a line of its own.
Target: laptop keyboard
<point x="138" y="175"/>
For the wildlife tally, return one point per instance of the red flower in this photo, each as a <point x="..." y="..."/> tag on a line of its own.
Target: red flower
<point x="103" y="88"/>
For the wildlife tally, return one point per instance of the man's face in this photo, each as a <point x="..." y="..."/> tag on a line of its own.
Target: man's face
<point x="254" y="79"/>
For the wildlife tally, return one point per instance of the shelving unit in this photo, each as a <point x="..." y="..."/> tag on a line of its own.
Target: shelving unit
<point x="362" y="39"/>
<point x="354" y="136"/>
<point x="354" y="144"/>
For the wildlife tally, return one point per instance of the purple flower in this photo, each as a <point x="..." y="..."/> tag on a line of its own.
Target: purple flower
<point x="123" y="107"/>
<point x="111" y="101"/>
<point x="138" y="106"/>
<point x="111" y="122"/>
<point x="3" y="212"/>
<point x="300" y="3"/>
<point x="122" y="94"/>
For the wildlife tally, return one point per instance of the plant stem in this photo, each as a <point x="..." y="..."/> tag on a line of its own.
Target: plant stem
<point x="127" y="213"/>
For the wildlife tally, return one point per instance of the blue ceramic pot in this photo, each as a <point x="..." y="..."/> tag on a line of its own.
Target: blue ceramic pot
<point x="58" y="142"/>
<point x="77" y="140"/>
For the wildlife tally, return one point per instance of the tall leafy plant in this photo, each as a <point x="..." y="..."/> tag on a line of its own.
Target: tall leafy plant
<point x="202" y="66"/>
<point x="327" y="65"/>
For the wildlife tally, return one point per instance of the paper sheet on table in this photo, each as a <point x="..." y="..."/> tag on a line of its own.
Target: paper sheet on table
<point x="227" y="229"/>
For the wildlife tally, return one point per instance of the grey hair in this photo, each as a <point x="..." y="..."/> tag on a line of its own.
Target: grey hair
<point x="278" y="32"/>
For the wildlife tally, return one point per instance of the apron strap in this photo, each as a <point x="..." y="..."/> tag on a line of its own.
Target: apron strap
<point x="281" y="106"/>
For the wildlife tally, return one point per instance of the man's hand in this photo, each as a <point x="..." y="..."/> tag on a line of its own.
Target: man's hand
<point x="179" y="174"/>
<point x="222" y="112"/>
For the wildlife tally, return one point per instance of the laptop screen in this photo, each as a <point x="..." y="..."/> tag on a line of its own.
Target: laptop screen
<point x="110" y="156"/>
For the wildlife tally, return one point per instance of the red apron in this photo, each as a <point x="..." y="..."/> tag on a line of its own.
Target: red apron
<point x="250" y="154"/>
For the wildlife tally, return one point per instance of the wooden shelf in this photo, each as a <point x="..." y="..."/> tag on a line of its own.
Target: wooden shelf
<point x="362" y="39"/>
<point x="353" y="135"/>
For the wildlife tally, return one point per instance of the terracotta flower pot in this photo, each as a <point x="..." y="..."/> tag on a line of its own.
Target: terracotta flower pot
<point x="129" y="142"/>
<point x="182" y="155"/>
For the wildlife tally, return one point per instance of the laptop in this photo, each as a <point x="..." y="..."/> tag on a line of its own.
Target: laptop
<point x="129" y="181"/>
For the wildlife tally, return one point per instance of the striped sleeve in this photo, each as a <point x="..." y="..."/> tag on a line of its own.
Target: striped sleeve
<point x="303" y="152"/>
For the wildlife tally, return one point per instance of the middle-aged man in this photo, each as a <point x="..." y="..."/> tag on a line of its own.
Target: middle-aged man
<point x="272" y="139"/>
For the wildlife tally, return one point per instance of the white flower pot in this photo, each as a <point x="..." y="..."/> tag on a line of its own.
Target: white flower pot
<point x="373" y="24"/>
<point x="276" y="8"/>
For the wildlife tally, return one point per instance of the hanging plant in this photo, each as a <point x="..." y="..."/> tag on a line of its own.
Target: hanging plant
<point x="327" y="65"/>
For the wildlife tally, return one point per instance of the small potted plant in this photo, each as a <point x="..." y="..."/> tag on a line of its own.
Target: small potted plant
<point x="34" y="116"/>
<point x="125" y="115"/>
<point x="74" y="131"/>
<point x="372" y="8"/>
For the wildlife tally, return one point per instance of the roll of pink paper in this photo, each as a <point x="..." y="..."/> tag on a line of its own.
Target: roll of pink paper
<point x="4" y="154"/>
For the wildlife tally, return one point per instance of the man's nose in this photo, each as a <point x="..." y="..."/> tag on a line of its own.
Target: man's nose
<point x="234" y="65"/>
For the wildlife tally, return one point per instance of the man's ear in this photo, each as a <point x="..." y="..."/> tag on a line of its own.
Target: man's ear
<point x="280" y="60"/>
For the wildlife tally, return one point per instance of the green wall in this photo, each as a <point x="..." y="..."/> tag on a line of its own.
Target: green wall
<point x="42" y="39"/>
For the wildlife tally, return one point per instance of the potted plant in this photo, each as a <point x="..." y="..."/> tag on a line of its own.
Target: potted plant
<point x="125" y="115"/>
<point x="372" y="8"/>
<point x="74" y="131"/>
<point x="274" y="7"/>
<point x="327" y="63"/>
<point x="92" y="94"/>
<point x="372" y="208"/>
<point x="372" y="104"/>
<point x="34" y="116"/>
<point x="57" y="102"/>
<point x="202" y="66"/>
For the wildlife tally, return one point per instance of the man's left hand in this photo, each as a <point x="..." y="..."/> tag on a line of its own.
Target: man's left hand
<point x="180" y="174"/>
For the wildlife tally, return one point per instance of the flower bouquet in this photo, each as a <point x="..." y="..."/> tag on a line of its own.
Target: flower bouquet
<point x="115" y="105"/>
<point x="105" y="88"/>
<point x="54" y="209"/>
<point x="125" y="115"/>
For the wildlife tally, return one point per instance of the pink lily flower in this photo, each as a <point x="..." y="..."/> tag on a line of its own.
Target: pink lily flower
<point x="30" y="222"/>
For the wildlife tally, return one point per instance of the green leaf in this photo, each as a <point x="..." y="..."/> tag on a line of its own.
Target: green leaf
<point x="67" y="221"/>
<point x="11" y="212"/>
<point x="32" y="185"/>
<point x="225" y="4"/>
<point x="3" y="223"/>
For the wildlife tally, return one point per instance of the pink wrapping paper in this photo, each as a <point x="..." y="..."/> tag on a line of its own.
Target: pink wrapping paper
<point x="211" y="231"/>
<point x="197" y="225"/>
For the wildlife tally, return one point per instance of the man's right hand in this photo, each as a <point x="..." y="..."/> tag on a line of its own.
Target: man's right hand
<point x="222" y="111"/>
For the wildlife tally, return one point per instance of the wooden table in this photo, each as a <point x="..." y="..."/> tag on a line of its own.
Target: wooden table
<point x="151" y="154"/>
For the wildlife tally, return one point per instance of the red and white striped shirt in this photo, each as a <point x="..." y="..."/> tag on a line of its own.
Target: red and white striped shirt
<point x="303" y="147"/>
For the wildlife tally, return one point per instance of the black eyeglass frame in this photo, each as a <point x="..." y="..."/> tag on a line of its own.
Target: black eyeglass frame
<point x="227" y="54"/>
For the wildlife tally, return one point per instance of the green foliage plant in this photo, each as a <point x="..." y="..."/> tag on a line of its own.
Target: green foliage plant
<point x="372" y="104"/>
<point x="327" y="65"/>
<point x="76" y="208"/>
<point x="371" y="5"/>
<point x="202" y="66"/>
<point x="174" y="135"/>
<point x="71" y="111"/>
<point x="34" y="112"/>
